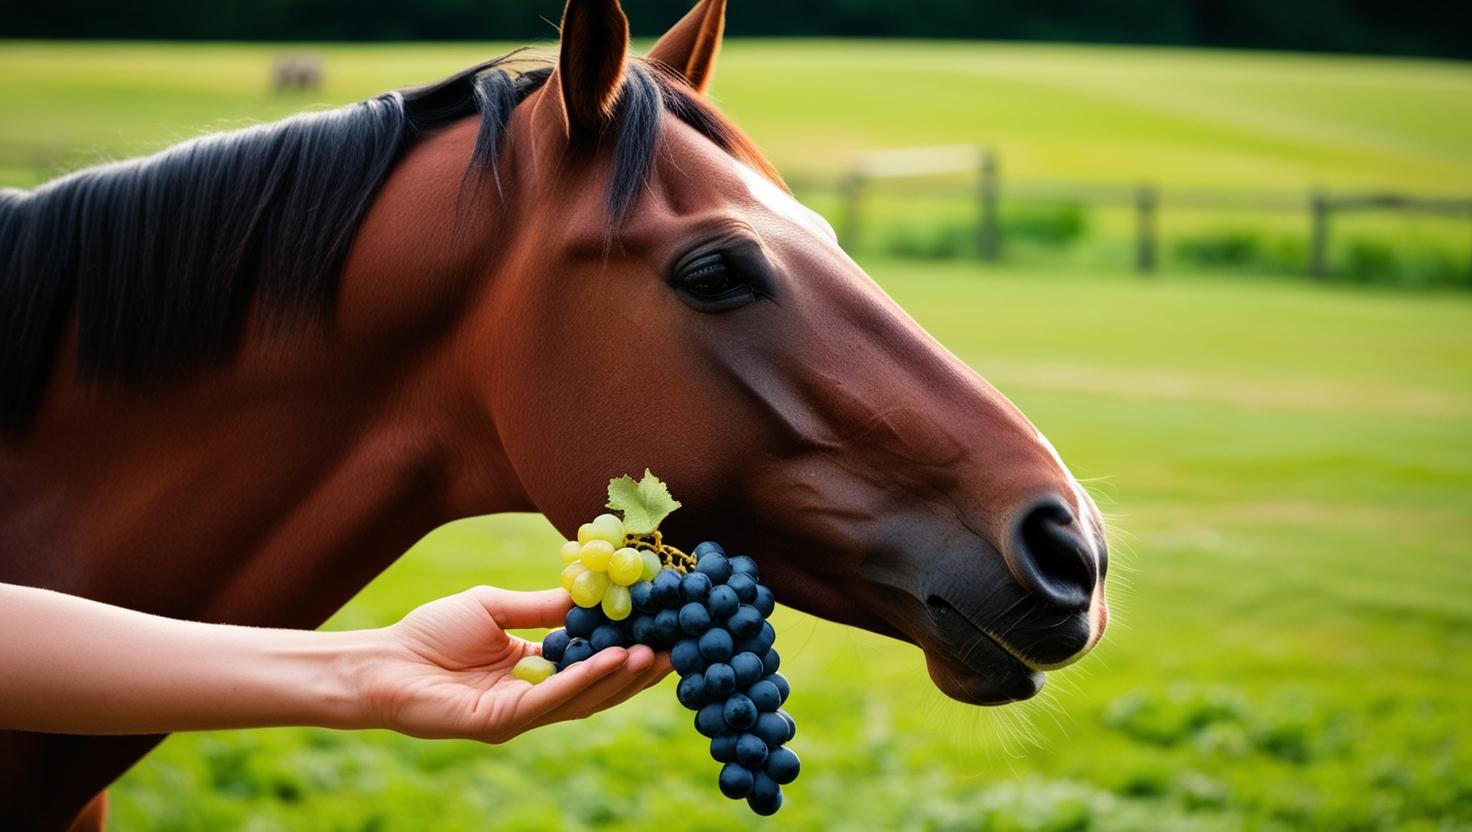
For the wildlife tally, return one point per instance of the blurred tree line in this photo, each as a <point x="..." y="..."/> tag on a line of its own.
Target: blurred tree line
<point x="1409" y="27"/>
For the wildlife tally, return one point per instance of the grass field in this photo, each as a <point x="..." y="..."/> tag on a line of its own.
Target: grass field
<point x="1288" y="467"/>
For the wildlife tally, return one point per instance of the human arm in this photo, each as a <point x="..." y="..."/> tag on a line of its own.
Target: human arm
<point x="70" y="665"/>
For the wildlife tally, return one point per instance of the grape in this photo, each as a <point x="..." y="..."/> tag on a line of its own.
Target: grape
<point x="743" y="565"/>
<point x="533" y="669"/>
<point x="578" y="650"/>
<point x="694" y="619"/>
<point x="709" y="722"/>
<point x="606" y="636"/>
<point x="765" y="696"/>
<point x="766" y="795"/>
<point x="571" y="551"/>
<point x="581" y="621"/>
<point x="605" y="527"/>
<point x="791" y="725"/>
<point x="723" y="748"/>
<point x="782" y="765"/>
<point x="596" y="555"/>
<point x="570" y="574"/>
<point x="715" y="645"/>
<point x="705" y="547"/>
<point x="685" y="656"/>
<point x="625" y="567"/>
<point x="764" y="602"/>
<point x="735" y="781"/>
<point x="740" y="712"/>
<point x="691" y="691"/>
<point x="667" y="587"/>
<point x="649" y="565"/>
<point x="781" y="682"/>
<point x="759" y="643"/>
<point x="771" y="728"/>
<point x="722" y="601"/>
<point x="714" y="565"/>
<point x="746" y="622"/>
<point x="642" y="594"/>
<point x="771" y="661"/>
<point x="616" y="602"/>
<point x="744" y="587"/>
<point x="720" y="681"/>
<point x="588" y="589"/>
<point x="748" y="669"/>
<point x="642" y="630"/>
<point x="667" y="626"/>
<point x="695" y="586"/>
<point x="751" y="750"/>
<point x="553" y="644"/>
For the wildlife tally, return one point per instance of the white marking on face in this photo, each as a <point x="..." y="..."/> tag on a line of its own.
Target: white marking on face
<point x="782" y="203"/>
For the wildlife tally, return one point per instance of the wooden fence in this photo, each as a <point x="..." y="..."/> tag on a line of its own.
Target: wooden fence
<point x="1146" y="201"/>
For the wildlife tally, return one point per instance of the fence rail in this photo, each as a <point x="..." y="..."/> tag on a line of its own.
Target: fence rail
<point x="975" y="173"/>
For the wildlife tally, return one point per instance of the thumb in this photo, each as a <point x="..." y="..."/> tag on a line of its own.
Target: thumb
<point x="514" y="610"/>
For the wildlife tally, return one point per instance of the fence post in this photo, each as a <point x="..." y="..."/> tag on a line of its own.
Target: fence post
<point x="851" y="193"/>
<point x="988" y="236"/>
<point x="1318" y="245"/>
<point x="1145" y="202"/>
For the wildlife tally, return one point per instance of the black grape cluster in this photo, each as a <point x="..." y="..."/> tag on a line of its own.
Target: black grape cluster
<point x="713" y="620"/>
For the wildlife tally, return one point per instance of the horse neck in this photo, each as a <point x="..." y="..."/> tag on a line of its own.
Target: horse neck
<point x="271" y="490"/>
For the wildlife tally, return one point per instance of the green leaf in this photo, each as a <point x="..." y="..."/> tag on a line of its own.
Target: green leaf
<point x="643" y="504"/>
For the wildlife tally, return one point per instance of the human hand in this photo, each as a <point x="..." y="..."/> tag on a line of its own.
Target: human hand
<point x="445" y="669"/>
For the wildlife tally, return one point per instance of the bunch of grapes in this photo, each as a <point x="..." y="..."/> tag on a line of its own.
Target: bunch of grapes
<point x="710" y="611"/>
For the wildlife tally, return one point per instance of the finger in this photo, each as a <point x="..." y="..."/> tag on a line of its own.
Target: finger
<point x="646" y="680"/>
<point x="513" y="610"/>
<point x="587" y="701"/>
<point x="643" y="670"/>
<point x="635" y="686"/>
<point x="568" y="684"/>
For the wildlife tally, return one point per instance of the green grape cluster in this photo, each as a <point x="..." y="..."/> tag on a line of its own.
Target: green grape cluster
<point x="600" y="567"/>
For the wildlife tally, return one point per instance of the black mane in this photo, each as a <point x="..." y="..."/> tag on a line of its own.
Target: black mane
<point x="160" y="257"/>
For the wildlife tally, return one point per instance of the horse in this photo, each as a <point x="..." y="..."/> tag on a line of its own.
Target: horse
<point x="241" y="376"/>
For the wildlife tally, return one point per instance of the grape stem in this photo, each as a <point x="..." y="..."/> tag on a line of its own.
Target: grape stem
<point x="668" y="555"/>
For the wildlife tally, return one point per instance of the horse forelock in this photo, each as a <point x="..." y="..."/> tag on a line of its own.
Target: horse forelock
<point x="161" y="257"/>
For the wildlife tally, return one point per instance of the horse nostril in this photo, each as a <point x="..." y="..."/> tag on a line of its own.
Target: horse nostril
<point x="1051" y="557"/>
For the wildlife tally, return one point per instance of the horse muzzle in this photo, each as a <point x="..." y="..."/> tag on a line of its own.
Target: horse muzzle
<point x="996" y="621"/>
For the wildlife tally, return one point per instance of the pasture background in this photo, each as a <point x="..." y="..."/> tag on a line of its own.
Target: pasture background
<point x="1288" y="467"/>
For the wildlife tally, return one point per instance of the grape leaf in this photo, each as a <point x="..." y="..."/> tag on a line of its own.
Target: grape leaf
<point x="643" y="504"/>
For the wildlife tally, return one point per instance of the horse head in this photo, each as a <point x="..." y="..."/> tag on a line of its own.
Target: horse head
<point x="664" y="301"/>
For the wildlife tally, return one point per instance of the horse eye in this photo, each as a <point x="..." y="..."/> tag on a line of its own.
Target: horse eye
<point x="722" y="275"/>
<point x="707" y="276"/>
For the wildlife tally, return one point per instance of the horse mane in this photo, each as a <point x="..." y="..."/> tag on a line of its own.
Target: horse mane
<point x="161" y="257"/>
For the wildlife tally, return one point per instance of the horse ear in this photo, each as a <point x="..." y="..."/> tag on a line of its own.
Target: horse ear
<point x="690" y="47"/>
<point x="590" y="65"/>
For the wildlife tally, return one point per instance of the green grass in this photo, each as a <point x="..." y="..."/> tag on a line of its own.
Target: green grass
<point x="1288" y="469"/>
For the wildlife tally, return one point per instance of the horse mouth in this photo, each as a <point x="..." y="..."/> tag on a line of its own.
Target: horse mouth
<point x="975" y="666"/>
